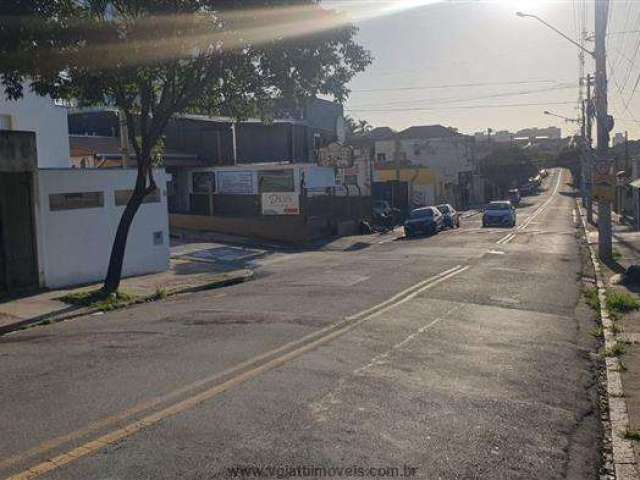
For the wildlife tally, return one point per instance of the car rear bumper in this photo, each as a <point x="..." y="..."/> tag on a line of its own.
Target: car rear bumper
<point x="499" y="221"/>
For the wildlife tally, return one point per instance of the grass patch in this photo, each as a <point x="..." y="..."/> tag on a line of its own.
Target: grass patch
<point x="591" y="297"/>
<point x="621" y="302"/>
<point x="97" y="299"/>
<point x="161" y="293"/>
<point x="615" y="351"/>
<point x="632" y="435"/>
<point x="597" y="331"/>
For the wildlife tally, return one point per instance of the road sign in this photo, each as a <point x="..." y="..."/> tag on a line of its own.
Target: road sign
<point x="603" y="180"/>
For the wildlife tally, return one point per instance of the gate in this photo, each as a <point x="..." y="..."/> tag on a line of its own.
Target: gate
<point x="18" y="263"/>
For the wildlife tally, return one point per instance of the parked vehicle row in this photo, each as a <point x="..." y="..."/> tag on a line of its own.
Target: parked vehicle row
<point x="431" y="220"/>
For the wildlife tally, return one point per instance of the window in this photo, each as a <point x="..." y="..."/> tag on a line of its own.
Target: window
<point x="123" y="196"/>
<point x="75" y="201"/>
<point x="381" y="157"/>
<point x="275" y="181"/>
<point x="203" y="182"/>
<point x="5" y="122"/>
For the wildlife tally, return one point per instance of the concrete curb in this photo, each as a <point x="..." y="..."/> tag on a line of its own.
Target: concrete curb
<point x="75" y="311"/>
<point x="624" y="461"/>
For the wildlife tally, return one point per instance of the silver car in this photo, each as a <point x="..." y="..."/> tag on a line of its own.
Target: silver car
<point x="500" y="214"/>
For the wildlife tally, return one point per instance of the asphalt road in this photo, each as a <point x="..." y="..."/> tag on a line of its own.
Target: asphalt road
<point x="463" y="355"/>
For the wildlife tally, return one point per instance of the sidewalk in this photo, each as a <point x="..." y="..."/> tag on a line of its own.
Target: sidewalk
<point x="186" y="274"/>
<point x="626" y="322"/>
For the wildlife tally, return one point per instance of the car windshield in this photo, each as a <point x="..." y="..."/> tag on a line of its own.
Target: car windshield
<point x="444" y="208"/>
<point x="421" y="213"/>
<point x="498" y="206"/>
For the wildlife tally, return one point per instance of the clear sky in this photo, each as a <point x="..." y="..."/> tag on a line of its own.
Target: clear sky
<point x="422" y="45"/>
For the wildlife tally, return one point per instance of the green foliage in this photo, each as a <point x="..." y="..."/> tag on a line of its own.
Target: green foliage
<point x="621" y="302"/>
<point x="615" y="351"/>
<point x="154" y="59"/>
<point x="99" y="300"/>
<point x="161" y="293"/>
<point x="591" y="297"/>
<point x="632" y="435"/>
<point x="597" y="331"/>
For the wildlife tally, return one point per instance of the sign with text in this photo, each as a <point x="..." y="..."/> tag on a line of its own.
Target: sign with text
<point x="280" y="203"/>
<point x="602" y="180"/>
<point x="236" y="182"/>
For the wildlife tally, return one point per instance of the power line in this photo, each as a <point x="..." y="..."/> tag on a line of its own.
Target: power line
<point x="453" y="85"/>
<point x="465" y="107"/>
<point x="467" y="99"/>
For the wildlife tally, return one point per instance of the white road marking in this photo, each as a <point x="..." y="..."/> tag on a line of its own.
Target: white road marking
<point x="507" y="238"/>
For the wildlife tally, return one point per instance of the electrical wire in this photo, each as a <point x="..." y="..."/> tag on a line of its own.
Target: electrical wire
<point x="460" y="107"/>
<point x="468" y="99"/>
<point x="452" y="85"/>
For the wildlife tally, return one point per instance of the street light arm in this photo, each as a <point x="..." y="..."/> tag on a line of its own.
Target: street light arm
<point x="522" y="15"/>
<point x="566" y="119"/>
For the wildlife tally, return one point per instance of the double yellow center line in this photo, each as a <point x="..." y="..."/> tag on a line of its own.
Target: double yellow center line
<point x="234" y="377"/>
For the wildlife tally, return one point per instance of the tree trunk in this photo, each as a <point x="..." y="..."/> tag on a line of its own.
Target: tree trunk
<point x="114" y="273"/>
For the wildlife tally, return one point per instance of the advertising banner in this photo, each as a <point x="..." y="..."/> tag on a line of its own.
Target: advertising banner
<point x="236" y="182"/>
<point x="280" y="203"/>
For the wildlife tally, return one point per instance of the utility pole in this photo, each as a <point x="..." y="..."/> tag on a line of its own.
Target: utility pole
<point x="589" y="142"/>
<point x="583" y="157"/>
<point x="604" y="126"/>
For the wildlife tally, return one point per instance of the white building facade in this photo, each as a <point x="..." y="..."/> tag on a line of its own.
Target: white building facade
<point x="57" y="223"/>
<point x="48" y="119"/>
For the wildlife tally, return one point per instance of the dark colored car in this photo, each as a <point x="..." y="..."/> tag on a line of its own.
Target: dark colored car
<point x="427" y="220"/>
<point x="451" y="217"/>
<point x="514" y="196"/>
<point x="501" y="214"/>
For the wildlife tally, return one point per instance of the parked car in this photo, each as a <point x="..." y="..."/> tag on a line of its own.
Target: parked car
<point x="526" y="188"/>
<point x="514" y="196"/>
<point x="451" y="217"/>
<point x="427" y="220"/>
<point x="500" y="213"/>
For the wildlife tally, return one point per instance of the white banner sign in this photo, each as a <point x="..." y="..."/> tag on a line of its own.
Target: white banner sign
<point x="236" y="182"/>
<point x="280" y="203"/>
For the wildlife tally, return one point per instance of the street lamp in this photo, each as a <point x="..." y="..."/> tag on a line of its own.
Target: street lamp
<point x="566" y="119"/>
<point x="528" y="15"/>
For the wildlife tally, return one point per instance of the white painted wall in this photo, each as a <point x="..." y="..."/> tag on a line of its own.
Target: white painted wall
<point x="74" y="245"/>
<point x="41" y="115"/>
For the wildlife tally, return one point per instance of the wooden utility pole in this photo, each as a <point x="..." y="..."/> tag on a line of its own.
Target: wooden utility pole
<point x="604" y="126"/>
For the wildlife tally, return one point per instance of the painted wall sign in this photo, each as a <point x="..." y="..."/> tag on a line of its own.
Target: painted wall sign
<point x="280" y="203"/>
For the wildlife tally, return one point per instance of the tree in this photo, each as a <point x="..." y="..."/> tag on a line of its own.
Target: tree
<point x="506" y="166"/>
<point x="154" y="59"/>
<point x="363" y="127"/>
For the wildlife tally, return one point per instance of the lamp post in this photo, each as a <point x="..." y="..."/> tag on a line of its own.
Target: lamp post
<point x="605" y="122"/>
